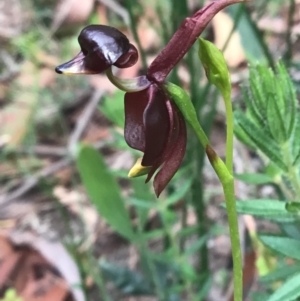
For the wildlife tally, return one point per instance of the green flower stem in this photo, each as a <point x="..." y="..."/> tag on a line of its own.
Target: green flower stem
<point x="229" y="131"/>
<point x="183" y="102"/>
<point x="227" y="182"/>
<point x="224" y="173"/>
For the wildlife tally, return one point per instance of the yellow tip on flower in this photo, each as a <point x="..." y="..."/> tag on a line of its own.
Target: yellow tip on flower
<point x="138" y="169"/>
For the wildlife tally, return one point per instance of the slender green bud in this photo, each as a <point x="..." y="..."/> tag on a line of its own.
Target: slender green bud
<point x="215" y="66"/>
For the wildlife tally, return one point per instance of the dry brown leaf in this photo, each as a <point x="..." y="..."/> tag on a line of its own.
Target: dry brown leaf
<point x="42" y="284"/>
<point x="5" y="249"/>
<point x="56" y="255"/>
<point x="39" y="270"/>
<point x="234" y="53"/>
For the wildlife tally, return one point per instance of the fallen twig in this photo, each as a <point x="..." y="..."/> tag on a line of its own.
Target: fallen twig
<point x="83" y="120"/>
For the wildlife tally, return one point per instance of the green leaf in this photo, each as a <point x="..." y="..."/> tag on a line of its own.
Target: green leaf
<point x="260" y="139"/>
<point x="188" y="231"/>
<point x="266" y="208"/>
<point x="281" y="273"/>
<point x="284" y="245"/>
<point x="289" y="291"/>
<point x="295" y="141"/>
<point x="113" y="108"/>
<point x="103" y="190"/>
<point x="289" y="96"/>
<point x="275" y="120"/>
<point x="215" y="66"/>
<point x="178" y="194"/>
<point x="127" y="281"/>
<point x="257" y="93"/>
<point x="271" y="101"/>
<point x="196" y="246"/>
<point x="293" y="207"/>
<point x="291" y="230"/>
<point x="201" y="295"/>
<point x="254" y="178"/>
<point x="253" y="109"/>
<point x="242" y="136"/>
<point x="154" y="234"/>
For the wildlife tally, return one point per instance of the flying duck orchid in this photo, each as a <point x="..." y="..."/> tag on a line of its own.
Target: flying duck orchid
<point x="153" y="122"/>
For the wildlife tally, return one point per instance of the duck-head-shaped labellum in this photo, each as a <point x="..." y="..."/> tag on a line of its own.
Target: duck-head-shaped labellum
<point x="101" y="47"/>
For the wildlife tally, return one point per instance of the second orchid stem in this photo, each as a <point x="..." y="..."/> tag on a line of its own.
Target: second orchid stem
<point x="228" y="187"/>
<point x="229" y="132"/>
<point x="227" y="181"/>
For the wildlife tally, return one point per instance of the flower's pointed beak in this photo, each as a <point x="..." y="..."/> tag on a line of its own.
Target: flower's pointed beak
<point x="75" y="66"/>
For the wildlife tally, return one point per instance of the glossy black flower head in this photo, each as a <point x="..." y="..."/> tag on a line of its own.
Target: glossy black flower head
<point x="154" y="125"/>
<point x="101" y="47"/>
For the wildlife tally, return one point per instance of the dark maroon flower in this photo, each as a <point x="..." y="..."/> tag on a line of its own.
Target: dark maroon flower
<point x="154" y="125"/>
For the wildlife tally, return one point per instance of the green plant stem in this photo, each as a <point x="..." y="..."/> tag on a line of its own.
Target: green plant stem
<point x="228" y="188"/>
<point x="227" y="182"/>
<point x="229" y="131"/>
